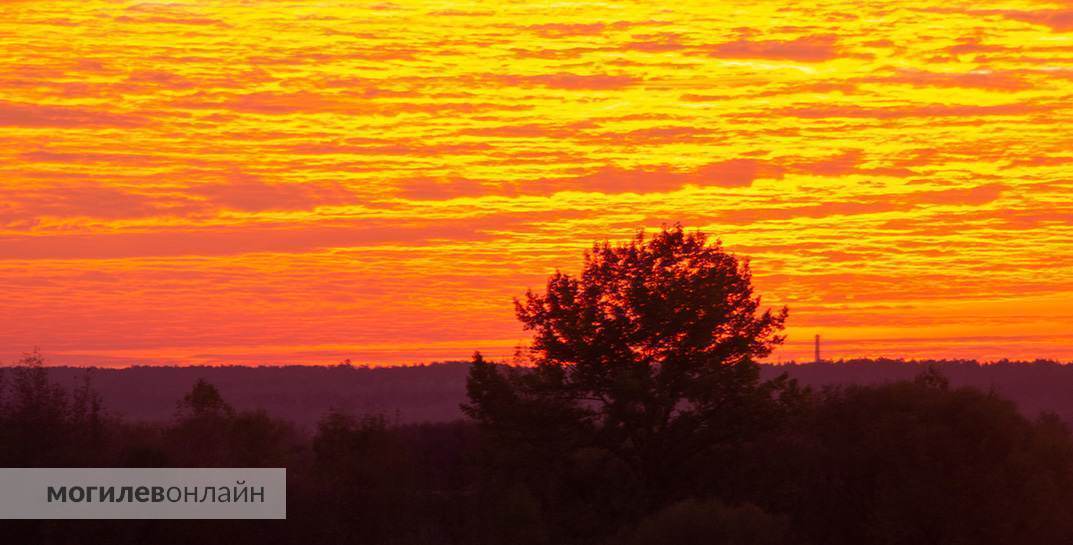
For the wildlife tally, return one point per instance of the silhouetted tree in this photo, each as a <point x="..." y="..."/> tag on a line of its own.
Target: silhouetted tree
<point x="641" y="364"/>
<point x="42" y="423"/>
<point x="204" y="401"/>
<point x="362" y="470"/>
<point x="919" y="462"/>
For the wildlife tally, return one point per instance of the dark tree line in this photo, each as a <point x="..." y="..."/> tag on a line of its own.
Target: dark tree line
<point x="640" y="416"/>
<point x="434" y="392"/>
<point x="901" y="463"/>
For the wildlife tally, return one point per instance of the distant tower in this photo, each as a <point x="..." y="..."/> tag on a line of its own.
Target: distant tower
<point x="817" y="349"/>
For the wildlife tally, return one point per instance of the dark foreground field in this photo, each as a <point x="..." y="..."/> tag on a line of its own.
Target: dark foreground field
<point x="385" y="456"/>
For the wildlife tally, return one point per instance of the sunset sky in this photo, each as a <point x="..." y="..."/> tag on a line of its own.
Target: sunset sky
<point x="274" y="182"/>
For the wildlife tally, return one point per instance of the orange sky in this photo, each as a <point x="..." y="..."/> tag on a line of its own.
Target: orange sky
<point x="253" y="182"/>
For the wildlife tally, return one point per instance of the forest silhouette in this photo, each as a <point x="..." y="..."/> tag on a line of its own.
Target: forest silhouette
<point x="638" y="415"/>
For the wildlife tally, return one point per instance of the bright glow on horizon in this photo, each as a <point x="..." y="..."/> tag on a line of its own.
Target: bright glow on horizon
<point x="264" y="182"/>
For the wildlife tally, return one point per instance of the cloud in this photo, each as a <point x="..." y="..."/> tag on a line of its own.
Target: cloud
<point x="970" y="196"/>
<point x="160" y="79"/>
<point x="805" y="49"/>
<point x="610" y="179"/>
<point x="24" y="206"/>
<point x="896" y="112"/>
<point x="981" y="79"/>
<point x="372" y="146"/>
<point x="341" y="103"/>
<point x="169" y="20"/>
<point x="655" y="43"/>
<point x="974" y="45"/>
<point x="842" y="164"/>
<point x="1060" y="20"/>
<point x="275" y="237"/>
<point x="249" y="193"/>
<point x="236" y="191"/>
<point x="445" y="189"/>
<point x="532" y="130"/>
<point x="128" y="159"/>
<point x="736" y="172"/>
<point x="659" y="179"/>
<point x="558" y="30"/>
<point x="14" y="114"/>
<point x="462" y="13"/>
<point x="566" y="80"/>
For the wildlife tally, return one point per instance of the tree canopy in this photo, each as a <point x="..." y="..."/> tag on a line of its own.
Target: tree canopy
<point x="645" y="360"/>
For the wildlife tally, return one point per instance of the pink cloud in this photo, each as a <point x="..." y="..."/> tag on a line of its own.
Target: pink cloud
<point x="389" y="147"/>
<point x="971" y="196"/>
<point x="247" y="192"/>
<point x="25" y="206"/>
<point x="299" y="102"/>
<point x="655" y="43"/>
<point x="736" y="172"/>
<point x="274" y="237"/>
<point x="127" y="159"/>
<point x="807" y="49"/>
<point x="532" y="130"/>
<point x="739" y="172"/>
<point x="609" y="180"/>
<point x="1060" y="20"/>
<point x="14" y="114"/>
<point x="978" y="80"/>
<point x="570" y="81"/>
<point x="168" y="20"/>
<point x="445" y="189"/>
<point x="554" y="30"/>
<point x="895" y="112"/>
